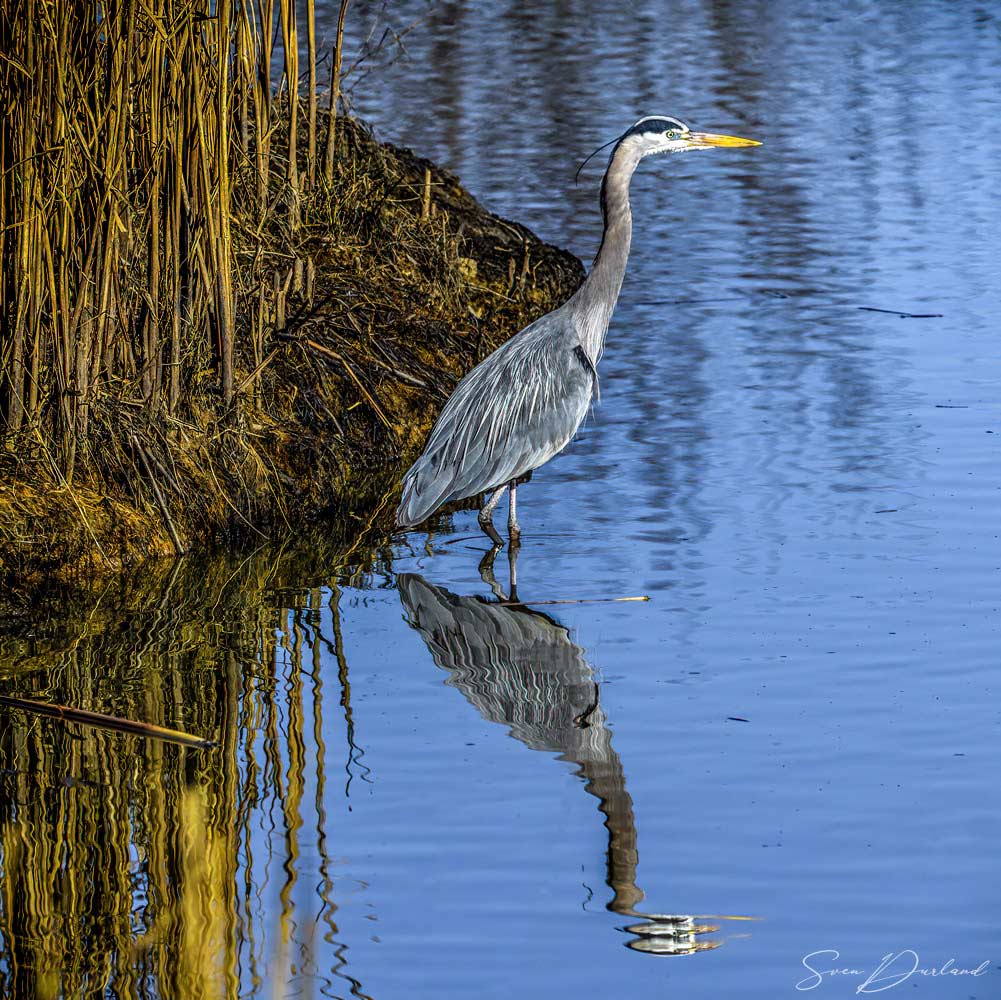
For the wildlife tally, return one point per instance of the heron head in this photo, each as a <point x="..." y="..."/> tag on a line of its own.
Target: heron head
<point x="662" y="134"/>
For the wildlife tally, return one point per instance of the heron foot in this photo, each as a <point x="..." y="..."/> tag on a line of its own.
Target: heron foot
<point x="486" y="517"/>
<point x="486" y="523"/>
<point x="486" y="569"/>
<point x="582" y="721"/>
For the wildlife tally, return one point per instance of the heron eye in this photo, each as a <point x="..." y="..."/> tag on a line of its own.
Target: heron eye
<point x="671" y="134"/>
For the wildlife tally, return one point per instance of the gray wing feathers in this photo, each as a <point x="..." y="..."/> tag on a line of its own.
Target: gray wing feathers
<point x="509" y="415"/>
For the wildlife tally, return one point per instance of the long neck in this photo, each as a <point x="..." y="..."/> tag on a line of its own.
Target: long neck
<point x="595" y="300"/>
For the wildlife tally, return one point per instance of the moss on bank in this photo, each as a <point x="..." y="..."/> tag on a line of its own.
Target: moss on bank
<point x="398" y="282"/>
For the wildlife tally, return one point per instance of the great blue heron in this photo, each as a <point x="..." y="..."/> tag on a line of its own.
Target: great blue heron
<point x="522" y="405"/>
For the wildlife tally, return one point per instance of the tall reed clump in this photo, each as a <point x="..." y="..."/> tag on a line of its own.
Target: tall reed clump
<point x="147" y="237"/>
<point x="129" y="129"/>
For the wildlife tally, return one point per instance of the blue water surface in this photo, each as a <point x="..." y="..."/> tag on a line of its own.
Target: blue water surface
<point x="807" y="487"/>
<point x="792" y="747"/>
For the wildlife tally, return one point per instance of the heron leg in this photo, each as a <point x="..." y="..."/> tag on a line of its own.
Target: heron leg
<point x="486" y="517"/>
<point x="513" y="528"/>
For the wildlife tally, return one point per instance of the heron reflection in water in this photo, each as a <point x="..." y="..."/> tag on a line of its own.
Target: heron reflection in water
<point x="520" y="668"/>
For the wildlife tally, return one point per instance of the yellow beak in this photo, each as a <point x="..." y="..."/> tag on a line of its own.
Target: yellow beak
<point x="701" y="139"/>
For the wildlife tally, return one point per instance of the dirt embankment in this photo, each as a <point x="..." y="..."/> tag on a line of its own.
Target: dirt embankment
<point x="401" y="282"/>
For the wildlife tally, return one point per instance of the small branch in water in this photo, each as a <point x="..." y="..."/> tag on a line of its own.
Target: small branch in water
<point x="583" y="600"/>
<point x="902" y="315"/>
<point x="67" y="714"/>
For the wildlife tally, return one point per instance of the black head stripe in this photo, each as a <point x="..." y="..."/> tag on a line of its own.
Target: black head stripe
<point x="648" y="125"/>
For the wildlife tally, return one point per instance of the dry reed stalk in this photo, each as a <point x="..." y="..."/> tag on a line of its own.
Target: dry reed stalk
<point x="311" y="42"/>
<point x="262" y="120"/>
<point x="290" y="52"/>
<point x="158" y="496"/>
<point x="335" y="90"/>
<point x="243" y="70"/>
<point x="224" y="253"/>
<point x="174" y="139"/>
<point x="426" y="198"/>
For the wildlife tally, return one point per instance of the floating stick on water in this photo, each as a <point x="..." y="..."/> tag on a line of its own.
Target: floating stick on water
<point x="103" y="721"/>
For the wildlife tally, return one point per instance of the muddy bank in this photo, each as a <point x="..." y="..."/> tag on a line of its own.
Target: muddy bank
<point x="399" y="283"/>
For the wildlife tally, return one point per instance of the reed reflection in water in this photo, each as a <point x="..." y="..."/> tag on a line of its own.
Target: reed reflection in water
<point x="520" y="668"/>
<point x="133" y="867"/>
